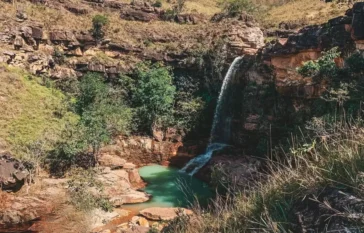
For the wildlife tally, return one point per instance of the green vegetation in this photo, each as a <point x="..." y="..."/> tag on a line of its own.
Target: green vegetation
<point x="160" y="100"/>
<point x="98" y="23"/>
<point x="325" y="156"/>
<point x="235" y="7"/>
<point x="157" y="3"/>
<point x="102" y="111"/>
<point x="32" y="114"/>
<point x="85" y="191"/>
<point x="153" y="95"/>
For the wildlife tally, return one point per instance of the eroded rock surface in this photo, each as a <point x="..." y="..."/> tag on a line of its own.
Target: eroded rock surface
<point x="13" y="173"/>
<point x="164" y="214"/>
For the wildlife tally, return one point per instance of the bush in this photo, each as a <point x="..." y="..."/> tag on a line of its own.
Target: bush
<point x="98" y="22"/>
<point x="152" y="95"/>
<point x="324" y="67"/>
<point x="58" y="56"/>
<point x="102" y="110"/>
<point x="79" y="188"/>
<point x="158" y="3"/>
<point x="235" y="7"/>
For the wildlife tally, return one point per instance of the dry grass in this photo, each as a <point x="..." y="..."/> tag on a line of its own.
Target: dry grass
<point x="307" y="11"/>
<point x="329" y="154"/>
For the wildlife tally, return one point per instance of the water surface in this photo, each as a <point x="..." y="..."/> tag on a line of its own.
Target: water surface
<point x="171" y="188"/>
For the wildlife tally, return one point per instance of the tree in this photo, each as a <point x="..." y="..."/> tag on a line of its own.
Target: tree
<point x="103" y="112"/>
<point x="153" y="94"/>
<point x="98" y="23"/>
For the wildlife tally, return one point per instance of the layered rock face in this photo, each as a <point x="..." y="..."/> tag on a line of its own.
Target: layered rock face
<point x="142" y="150"/>
<point x="35" y="47"/>
<point x="271" y="93"/>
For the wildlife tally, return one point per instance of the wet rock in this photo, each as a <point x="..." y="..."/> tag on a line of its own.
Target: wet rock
<point x="164" y="214"/>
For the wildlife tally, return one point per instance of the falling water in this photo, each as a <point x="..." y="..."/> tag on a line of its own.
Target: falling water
<point x="220" y="131"/>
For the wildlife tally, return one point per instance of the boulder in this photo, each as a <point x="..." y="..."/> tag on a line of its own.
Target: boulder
<point x="134" y="177"/>
<point x="61" y="36"/>
<point x="114" y="4"/>
<point x="188" y="18"/>
<point x="143" y="222"/>
<point x="118" y="188"/>
<point x="129" y="197"/>
<point x="18" y="42"/>
<point x="17" y="210"/>
<point x="76" y="9"/>
<point x="164" y="214"/>
<point x="137" y="14"/>
<point x="13" y="173"/>
<point x="112" y="161"/>
<point x="60" y="72"/>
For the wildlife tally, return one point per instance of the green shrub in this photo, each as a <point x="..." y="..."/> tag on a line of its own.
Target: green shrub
<point x="79" y="187"/>
<point x="235" y="7"/>
<point x="158" y="3"/>
<point x="152" y="95"/>
<point x="324" y="67"/>
<point x="58" y="56"/>
<point x="102" y="111"/>
<point x="98" y="23"/>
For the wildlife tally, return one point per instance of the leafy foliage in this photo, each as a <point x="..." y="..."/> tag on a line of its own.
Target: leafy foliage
<point x="157" y="3"/>
<point x="98" y="22"/>
<point x="79" y="188"/>
<point x="103" y="113"/>
<point x="324" y="67"/>
<point x="152" y="95"/>
<point x="235" y="7"/>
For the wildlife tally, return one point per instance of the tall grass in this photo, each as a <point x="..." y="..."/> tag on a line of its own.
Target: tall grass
<point x="327" y="153"/>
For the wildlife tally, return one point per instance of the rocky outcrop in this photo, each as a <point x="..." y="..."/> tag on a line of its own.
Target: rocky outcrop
<point x="345" y="32"/>
<point x="232" y="168"/>
<point x="16" y="210"/>
<point x="13" y="173"/>
<point x="118" y="187"/>
<point x="143" y="13"/>
<point x="141" y="150"/>
<point x="164" y="214"/>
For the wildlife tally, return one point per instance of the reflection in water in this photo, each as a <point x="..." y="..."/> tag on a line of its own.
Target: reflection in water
<point x="171" y="188"/>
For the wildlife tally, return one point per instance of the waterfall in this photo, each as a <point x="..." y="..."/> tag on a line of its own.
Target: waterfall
<point x="220" y="131"/>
